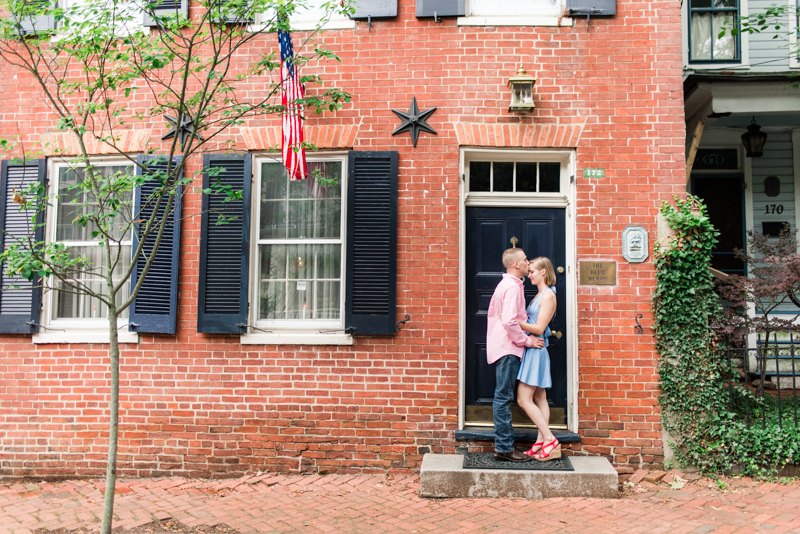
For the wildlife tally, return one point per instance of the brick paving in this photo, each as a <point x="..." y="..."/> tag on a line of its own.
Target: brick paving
<point x="353" y="504"/>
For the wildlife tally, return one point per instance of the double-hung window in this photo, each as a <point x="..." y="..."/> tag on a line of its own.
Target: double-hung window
<point x="68" y="307"/>
<point x="299" y="256"/>
<point x="707" y="18"/>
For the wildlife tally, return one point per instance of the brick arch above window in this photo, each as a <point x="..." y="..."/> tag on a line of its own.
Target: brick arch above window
<point x="65" y="144"/>
<point x="323" y="137"/>
<point x="519" y="135"/>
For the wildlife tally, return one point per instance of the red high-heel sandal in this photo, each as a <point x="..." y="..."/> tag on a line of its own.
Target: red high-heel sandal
<point x="536" y="448"/>
<point x="555" y="451"/>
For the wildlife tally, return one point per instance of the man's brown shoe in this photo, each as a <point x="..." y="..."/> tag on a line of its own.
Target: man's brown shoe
<point x="513" y="456"/>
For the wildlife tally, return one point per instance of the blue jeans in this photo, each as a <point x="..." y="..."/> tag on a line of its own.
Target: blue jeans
<point x="506" y="369"/>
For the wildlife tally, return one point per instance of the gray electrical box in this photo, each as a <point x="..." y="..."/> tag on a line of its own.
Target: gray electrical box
<point x="375" y="9"/>
<point x="441" y="8"/>
<point x="591" y="7"/>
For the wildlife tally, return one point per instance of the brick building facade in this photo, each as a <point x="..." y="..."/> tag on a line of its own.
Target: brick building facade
<point x="203" y="404"/>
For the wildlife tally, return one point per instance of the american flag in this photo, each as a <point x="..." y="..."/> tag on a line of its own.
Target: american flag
<point x="292" y="128"/>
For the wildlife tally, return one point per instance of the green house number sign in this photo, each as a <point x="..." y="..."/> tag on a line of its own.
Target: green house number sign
<point x="594" y="173"/>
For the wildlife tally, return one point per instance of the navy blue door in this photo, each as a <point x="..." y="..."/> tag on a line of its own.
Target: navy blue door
<point x="490" y="231"/>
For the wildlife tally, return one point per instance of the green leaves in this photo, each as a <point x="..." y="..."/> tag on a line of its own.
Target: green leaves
<point x="695" y="400"/>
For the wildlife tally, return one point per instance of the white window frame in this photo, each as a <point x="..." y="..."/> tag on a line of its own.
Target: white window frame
<point x="509" y="19"/>
<point x="502" y="198"/>
<point x="74" y="330"/>
<point x="293" y="331"/>
<point x="566" y="198"/>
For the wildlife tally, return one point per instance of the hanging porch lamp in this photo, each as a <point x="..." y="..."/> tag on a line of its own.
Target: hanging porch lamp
<point x="753" y="140"/>
<point x="521" y="85"/>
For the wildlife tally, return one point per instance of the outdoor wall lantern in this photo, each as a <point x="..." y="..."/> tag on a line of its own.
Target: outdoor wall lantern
<point x="521" y="85"/>
<point x="753" y="140"/>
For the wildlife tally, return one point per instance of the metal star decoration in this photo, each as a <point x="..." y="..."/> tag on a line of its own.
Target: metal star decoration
<point x="185" y="130"/>
<point x="414" y="121"/>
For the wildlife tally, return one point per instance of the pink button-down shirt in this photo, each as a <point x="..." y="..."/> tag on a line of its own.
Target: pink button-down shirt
<point x="503" y="334"/>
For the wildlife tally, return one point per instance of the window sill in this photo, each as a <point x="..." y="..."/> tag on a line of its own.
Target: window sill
<point x="297" y="338"/>
<point x="83" y="337"/>
<point x="524" y="20"/>
<point x="717" y="66"/>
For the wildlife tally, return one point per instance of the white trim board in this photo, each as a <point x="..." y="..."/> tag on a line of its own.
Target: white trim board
<point x="560" y="200"/>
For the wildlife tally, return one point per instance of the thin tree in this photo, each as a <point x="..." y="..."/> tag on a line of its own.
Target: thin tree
<point x="100" y="73"/>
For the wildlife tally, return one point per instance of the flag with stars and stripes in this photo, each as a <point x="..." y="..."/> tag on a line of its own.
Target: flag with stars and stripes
<point x="294" y="155"/>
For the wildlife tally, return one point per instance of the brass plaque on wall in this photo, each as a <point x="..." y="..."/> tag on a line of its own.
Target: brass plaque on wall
<point x="598" y="273"/>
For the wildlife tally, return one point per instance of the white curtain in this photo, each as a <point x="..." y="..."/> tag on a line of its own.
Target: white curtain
<point x="724" y="48"/>
<point x="701" y="36"/>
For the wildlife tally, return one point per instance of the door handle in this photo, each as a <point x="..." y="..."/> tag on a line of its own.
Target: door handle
<point x="560" y="270"/>
<point x="558" y="334"/>
<point x="514" y="241"/>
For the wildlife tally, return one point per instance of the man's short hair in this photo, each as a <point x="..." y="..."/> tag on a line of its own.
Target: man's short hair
<point x="511" y="255"/>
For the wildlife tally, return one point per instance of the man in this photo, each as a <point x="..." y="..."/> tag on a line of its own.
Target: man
<point x="505" y="344"/>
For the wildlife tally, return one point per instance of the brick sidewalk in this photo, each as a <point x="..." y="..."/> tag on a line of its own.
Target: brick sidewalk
<point x="374" y="504"/>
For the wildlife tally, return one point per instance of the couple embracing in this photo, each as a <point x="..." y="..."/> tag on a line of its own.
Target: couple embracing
<point x="516" y="341"/>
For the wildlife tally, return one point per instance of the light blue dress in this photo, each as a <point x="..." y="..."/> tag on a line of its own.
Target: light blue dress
<point x="535" y="368"/>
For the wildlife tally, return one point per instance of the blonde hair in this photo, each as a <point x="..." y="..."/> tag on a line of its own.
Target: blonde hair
<point x="510" y="256"/>
<point x="544" y="263"/>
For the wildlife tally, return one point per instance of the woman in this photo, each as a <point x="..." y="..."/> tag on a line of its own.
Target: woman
<point x="534" y="373"/>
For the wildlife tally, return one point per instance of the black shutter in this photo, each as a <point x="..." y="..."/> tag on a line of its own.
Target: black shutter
<point x="374" y="9"/>
<point x="592" y="7"/>
<point x="19" y="308"/>
<point x="224" y="248"/>
<point x="371" y="274"/>
<point x="441" y="8"/>
<point x="30" y="24"/>
<point x="155" y="309"/>
<point x="165" y="8"/>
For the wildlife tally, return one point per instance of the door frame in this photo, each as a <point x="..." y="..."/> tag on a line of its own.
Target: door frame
<point x="516" y="200"/>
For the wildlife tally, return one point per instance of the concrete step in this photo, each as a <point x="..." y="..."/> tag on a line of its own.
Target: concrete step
<point x="443" y="476"/>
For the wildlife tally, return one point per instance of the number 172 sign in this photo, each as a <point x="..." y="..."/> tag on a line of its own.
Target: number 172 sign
<point x="594" y="173"/>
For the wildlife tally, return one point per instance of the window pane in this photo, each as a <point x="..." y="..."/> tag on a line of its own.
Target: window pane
<point x="273" y="262"/>
<point x="724" y="48"/>
<point x="301" y="219"/>
<point x="74" y="201"/>
<point x="69" y="305"/>
<point x="273" y="219"/>
<point x="503" y="176"/>
<point x="701" y="3"/>
<point x="479" y="175"/>
<point x="272" y="300"/>
<point x="327" y="300"/>
<point x="330" y="184"/>
<point x="550" y="179"/>
<point x="329" y="217"/>
<point x="701" y="35"/>
<point x="324" y="181"/>
<point x="273" y="181"/>
<point x="526" y="177"/>
<point x="299" y="303"/>
<point x="329" y="261"/>
<point x="724" y="3"/>
<point x="301" y="262"/>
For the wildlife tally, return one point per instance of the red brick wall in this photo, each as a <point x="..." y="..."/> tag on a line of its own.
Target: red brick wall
<point x="205" y="405"/>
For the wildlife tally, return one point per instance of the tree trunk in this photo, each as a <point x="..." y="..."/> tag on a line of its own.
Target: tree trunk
<point x="113" y="427"/>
